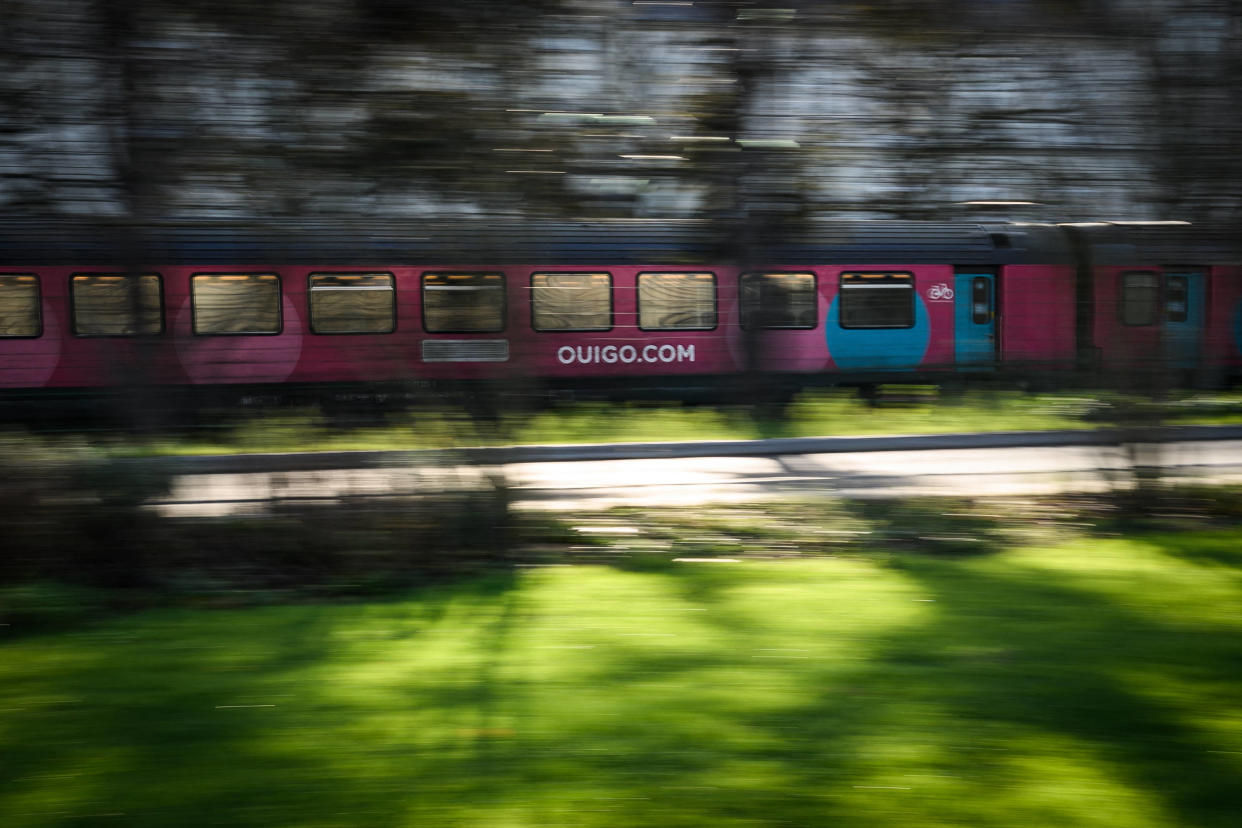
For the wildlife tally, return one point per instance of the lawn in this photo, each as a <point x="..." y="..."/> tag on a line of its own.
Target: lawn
<point x="905" y="410"/>
<point x="815" y="413"/>
<point x="1096" y="681"/>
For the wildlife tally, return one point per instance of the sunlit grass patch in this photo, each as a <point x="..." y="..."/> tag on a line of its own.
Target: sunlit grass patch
<point x="813" y="413"/>
<point x="1095" y="682"/>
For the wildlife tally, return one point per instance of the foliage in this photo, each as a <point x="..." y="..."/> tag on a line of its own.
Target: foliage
<point x="42" y="605"/>
<point x="73" y="517"/>
<point x="815" y="413"/>
<point x="723" y="110"/>
<point x="70" y="517"/>
<point x="67" y="513"/>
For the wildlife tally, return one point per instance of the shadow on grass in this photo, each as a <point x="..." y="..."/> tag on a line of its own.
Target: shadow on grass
<point x="1016" y="680"/>
<point x="1217" y="548"/>
<point x="931" y="690"/>
<point x="1040" y="653"/>
<point x="217" y="717"/>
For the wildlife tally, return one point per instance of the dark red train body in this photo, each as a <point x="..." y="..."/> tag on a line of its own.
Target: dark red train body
<point x="618" y="306"/>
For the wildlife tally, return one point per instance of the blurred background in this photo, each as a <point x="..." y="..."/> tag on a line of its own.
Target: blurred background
<point x="1092" y="109"/>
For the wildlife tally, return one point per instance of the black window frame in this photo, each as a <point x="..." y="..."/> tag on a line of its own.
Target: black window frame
<point x="1156" y="305"/>
<point x="638" y="299"/>
<point x="907" y="282"/>
<point x="73" y="305"/>
<point x="612" y="302"/>
<point x="310" y="313"/>
<point x="39" y="328"/>
<point x="743" y="316"/>
<point x="280" y="304"/>
<point x="504" y="300"/>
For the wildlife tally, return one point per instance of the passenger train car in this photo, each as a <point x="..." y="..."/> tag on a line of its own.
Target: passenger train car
<point x="621" y="307"/>
<point x="1160" y="297"/>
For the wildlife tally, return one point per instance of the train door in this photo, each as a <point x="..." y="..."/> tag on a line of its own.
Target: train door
<point x="1184" y="295"/>
<point x="975" y="319"/>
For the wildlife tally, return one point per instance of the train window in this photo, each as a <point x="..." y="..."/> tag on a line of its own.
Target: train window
<point x="877" y="300"/>
<point x="19" y="305"/>
<point x="981" y="300"/>
<point x="235" y="303"/>
<point x="352" y="303"/>
<point x="778" y="300"/>
<point x="1140" y="298"/>
<point x="1177" y="298"/>
<point x="571" y="301"/>
<point x="116" y="305"/>
<point x="463" y="302"/>
<point x="676" y="301"/>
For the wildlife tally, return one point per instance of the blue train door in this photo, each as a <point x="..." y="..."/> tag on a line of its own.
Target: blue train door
<point x="974" y="301"/>
<point x="1183" y="317"/>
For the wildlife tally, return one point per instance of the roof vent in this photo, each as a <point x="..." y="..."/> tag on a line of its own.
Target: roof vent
<point x="999" y="239"/>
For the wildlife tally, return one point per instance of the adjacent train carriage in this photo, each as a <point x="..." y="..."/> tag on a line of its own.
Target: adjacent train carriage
<point x="1161" y="301"/>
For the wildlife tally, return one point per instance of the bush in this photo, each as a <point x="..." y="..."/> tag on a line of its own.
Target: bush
<point x="42" y="605"/>
<point x="66" y="514"/>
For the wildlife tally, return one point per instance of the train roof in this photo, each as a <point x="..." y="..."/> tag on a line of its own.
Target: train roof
<point x="31" y="242"/>
<point x="1159" y="243"/>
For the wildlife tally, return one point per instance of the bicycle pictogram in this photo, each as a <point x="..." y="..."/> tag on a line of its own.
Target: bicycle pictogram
<point x="941" y="292"/>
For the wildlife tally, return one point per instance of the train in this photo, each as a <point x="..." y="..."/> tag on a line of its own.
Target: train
<point x="618" y="308"/>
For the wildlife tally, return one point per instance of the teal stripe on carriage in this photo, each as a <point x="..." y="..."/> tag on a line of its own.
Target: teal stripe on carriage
<point x="877" y="349"/>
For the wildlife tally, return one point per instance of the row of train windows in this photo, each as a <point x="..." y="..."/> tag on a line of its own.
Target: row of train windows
<point x="365" y="303"/>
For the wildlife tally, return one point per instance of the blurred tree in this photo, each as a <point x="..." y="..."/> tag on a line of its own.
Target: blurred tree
<point x="598" y="107"/>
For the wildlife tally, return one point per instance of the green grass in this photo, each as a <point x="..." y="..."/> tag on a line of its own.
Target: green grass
<point x="910" y="410"/>
<point x="812" y="414"/>
<point x="1093" y="683"/>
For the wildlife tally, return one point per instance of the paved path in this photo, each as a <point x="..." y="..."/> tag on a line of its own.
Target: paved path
<point x="683" y="480"/>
